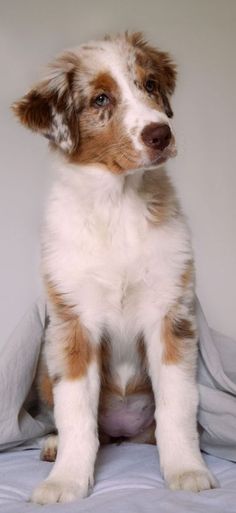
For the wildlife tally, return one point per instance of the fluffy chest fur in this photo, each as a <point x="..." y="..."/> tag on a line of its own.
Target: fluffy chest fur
<point x="102" y="250"/>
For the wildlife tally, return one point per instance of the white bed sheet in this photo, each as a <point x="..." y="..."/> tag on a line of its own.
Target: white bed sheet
<point x="127" y="480"/>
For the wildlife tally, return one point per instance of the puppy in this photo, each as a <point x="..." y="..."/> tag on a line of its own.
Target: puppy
<point x="121" y="346"/>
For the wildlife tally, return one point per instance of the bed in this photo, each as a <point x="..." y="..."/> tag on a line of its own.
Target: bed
<point x="127" y="475"/>
<point x="127" y="479"/>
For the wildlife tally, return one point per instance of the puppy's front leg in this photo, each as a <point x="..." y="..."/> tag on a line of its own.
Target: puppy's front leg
<point x="72" y="360"/>
<point x="172" y="353"/>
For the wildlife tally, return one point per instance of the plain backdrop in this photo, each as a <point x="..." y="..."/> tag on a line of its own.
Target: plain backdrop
<point x="201" y="36"/>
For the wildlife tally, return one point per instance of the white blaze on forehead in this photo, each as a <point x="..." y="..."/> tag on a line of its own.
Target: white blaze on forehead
<point x="118" y="59"/>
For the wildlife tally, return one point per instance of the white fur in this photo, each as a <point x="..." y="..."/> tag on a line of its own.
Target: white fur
<point x="60" y="132"/>
<point x="103" y="253"/>
<point x="138" y="113"/>
<point x="101" y="250"/>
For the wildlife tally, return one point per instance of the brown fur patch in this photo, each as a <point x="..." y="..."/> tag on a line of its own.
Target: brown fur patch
<point x="153" y="100"/>
<point x="160" y="63"/>
<point x="108" y="387"/>
<point x="140" y="383"/>
<point x="142" y="352"/>
<point x="187" y="278"/>
<point x="179" y="333"/>
<point x="49" y="450"/>
<point x="151" y="62"/>
<point x="175" y="332"/>
<point x="103" y="82"/>
<point x="78" y="351"/>
<point x="48" y="455"/>
<point x="44" y="383"/>
<point x="110" y="391"/>
<point x="45" y="387"/>
<point x="160" y="198"/>
<point x="33" y="111"/>
<point x="182" y="328"/>
<point x="173" y="348"/>
<point x="146" y="437"/>
<point x="60" y="302"/>
<point x="109" y="145"/>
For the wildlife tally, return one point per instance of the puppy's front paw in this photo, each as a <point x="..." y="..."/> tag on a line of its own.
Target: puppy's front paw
<point x="192" y="480"/>
<point x="54" y="490"/>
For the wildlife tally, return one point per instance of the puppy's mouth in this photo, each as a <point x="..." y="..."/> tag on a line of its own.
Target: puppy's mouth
<point x="153" y="159"/>
<point x="156" y="158"/>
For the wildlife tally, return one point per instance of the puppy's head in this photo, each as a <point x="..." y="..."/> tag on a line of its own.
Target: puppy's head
<point x="106" y="102"/>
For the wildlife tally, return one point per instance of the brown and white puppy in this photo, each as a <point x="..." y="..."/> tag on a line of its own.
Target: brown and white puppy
<point x="121" y="346"/>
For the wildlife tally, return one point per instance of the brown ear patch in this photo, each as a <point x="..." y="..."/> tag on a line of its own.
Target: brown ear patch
<point x="33" y="111"/>
<point x="47" y="115"/>
<point x="49" y="108"/>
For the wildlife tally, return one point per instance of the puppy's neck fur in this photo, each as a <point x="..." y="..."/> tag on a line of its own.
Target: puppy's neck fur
<point x="95" y="184"/>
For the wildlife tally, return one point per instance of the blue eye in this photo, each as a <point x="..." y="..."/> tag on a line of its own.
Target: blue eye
<point x="101" y="100"/>
<point x="150" y="86"/>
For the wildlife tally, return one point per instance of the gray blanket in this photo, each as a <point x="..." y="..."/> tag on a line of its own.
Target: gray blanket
<point x="216" y="378"/>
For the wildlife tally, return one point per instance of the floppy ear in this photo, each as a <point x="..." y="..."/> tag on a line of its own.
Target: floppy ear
<point x="51" y="107"/>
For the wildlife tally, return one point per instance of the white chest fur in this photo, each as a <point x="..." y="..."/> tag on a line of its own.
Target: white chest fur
<point x="101" y="250"/>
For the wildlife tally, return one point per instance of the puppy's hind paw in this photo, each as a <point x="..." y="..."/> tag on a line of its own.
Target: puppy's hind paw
<point x="49" y="449"/>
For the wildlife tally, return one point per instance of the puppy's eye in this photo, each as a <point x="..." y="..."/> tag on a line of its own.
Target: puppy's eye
<point x="102" y="100"/>
<point x="150" y="85"/>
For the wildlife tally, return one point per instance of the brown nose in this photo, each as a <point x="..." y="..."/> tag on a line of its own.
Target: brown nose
<point x="156" y="136"/>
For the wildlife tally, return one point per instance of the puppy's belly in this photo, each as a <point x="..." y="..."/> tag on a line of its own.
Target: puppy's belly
<point x="127" y="416"/>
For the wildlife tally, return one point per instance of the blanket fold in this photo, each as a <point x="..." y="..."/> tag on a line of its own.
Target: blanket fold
<point x="216" y="380"/>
